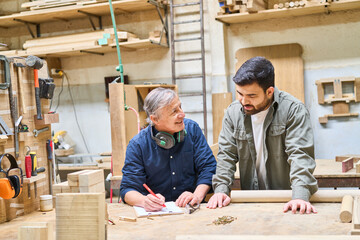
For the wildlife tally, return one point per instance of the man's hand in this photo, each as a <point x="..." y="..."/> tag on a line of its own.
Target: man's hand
<point x="152" y="203"/>
<point x="218" y="200"/>
<point x="187" y="197"/>
<point x="299" y="203"/>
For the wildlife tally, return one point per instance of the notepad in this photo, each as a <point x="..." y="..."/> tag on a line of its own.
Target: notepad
<point x="170" y="209"/>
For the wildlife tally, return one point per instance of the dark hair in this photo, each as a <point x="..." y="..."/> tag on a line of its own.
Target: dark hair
<point x="256" y="69"/>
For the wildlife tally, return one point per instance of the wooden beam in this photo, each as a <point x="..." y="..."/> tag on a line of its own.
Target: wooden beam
<point x="346" y="210"/>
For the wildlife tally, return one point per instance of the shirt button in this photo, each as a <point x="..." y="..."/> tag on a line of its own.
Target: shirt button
<point x="174" y="188"/>
<point x="171" y="157"/>
<point x="173" y="173"/>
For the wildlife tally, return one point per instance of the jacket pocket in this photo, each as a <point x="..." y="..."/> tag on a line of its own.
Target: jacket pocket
<point x="276" y="141"/>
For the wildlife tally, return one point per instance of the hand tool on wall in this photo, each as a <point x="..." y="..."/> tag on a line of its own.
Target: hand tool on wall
<point x="12" y="99"/>
<point x="33" y="163"/>
<point x="20" y="76"/>
<point x="36" y="63"/>
<point x="49" y="149"/>
<point x="36" y="132"/>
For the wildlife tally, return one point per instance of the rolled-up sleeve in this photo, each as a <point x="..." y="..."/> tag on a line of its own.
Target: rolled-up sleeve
<point x="299" y="144"/>
<point x="133" y="171"/>
<point x="205" y="162"/>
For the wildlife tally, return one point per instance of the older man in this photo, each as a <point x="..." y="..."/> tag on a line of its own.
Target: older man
<point x="268" y="132"/>
<point x="171" y="156"/>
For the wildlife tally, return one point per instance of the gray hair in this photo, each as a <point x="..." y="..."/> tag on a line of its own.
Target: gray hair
<point x="157" y="99"/>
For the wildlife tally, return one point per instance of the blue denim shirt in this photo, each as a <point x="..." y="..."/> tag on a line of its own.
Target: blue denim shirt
<point x="169" y="172"/>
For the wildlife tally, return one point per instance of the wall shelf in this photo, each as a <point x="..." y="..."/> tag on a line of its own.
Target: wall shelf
<point x="72" y="12"/>
<point x="288" y="12"/>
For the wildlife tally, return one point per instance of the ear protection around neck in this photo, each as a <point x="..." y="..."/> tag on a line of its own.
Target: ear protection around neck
<point x="10" y="186"/>
<point x="166" y="140"/>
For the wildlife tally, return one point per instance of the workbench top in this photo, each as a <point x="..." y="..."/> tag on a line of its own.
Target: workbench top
<point x="252" y="219"/>
<point x="331" y="168"/>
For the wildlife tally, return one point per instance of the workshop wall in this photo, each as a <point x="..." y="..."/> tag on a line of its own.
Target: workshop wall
<point x="330" y="49"/>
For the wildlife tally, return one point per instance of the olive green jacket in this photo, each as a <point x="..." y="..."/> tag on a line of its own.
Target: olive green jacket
<point x="288" y="149"/>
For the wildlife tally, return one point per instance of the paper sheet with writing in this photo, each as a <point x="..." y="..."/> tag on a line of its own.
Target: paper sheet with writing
<point x="170" y="209"/>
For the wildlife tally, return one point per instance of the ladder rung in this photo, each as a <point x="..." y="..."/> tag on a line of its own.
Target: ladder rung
<point x="190" y="94"/>
<point x="188" y="77"/>
<point x="187" y="39"/>
<point x="186" y="22"/>
<point x="187" y="59"/>
<point x="186" y="4"/>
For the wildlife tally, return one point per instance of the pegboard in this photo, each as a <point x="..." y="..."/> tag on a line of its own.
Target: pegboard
<point x="22" y="80"/>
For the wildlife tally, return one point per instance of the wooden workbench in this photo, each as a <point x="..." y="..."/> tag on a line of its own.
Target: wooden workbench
<point x="252" y="219"/>
<point x="328" y="173"/>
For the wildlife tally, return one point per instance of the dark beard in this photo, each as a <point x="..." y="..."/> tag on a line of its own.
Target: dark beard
<point x="260" y="109"/>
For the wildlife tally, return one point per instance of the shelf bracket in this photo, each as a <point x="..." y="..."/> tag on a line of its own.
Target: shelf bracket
<point x="91" y="52"/>
<point x="164" y="29"/>
<point x="28" y="27"/>
<point x="90" y="19"/>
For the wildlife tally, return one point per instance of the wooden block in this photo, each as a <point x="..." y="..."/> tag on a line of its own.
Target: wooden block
<point x="36" y="230"/>
<point x="347" y="164"/>
<point x="91" y="177"/>
<point x="2" y="210"/>
<point x="255" y="5"/>
<point x="346" y="210"/>
<point x="73" y="178"/>
<point x="74" y="189"/>
<point x="356" y="213"/>
<point x="47" y="119"/>
<point x="357" y="167"/>
<point x="80" y="216"/>
<point x="127" y="219"/>
<point x="96" y="188"/>
<point x="61" y="188"/>
<point x="340" y="107"/>
<point x="323" y="119"/>
<point x="64" y="152"/>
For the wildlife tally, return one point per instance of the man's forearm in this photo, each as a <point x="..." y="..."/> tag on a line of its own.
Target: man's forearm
<point x="135" y="198"/>
<point x="201" y="190"/>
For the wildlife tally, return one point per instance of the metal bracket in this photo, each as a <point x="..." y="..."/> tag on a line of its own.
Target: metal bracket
<point x="28" y="27"/>
<point x="91" y="52"/>
<point x="165" y="28"/>
<point x="90" y="19"/>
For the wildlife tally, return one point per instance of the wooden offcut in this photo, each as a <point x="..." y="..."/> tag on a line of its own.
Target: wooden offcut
<point x="346" y="210"/>
<point x="347" y="164"/>
<point x="287" y="61"/>
<point x="356" y="214"/>
<point x="73" y="178"/>
<point x="91" y="177"/>
<point x="80" y="216"/>
<point x="36" y="230"/>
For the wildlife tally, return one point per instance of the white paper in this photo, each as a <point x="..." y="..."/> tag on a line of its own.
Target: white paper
<point x="171" y="208"/>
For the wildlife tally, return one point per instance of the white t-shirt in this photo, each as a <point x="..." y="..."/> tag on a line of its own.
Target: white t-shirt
<point x="257" y="121"/>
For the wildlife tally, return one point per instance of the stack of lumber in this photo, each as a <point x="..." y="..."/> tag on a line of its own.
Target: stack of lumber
<point x="80" y="216"/>
<point x="84" y="181"/>
<point x="242" y="6"/>
<point x="43" y="4"/>
<point x="74" y="42"/>
<point x="291" y="4"/>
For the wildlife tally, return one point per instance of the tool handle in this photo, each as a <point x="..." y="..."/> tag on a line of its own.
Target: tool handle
<point x="34" y="164"/>
<point x="49" y="149"/>
<point x="37" y="94"/>
<point x="40" y="169"/>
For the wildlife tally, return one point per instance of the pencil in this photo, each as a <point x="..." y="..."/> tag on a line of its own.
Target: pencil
<point x="151" y="192"/>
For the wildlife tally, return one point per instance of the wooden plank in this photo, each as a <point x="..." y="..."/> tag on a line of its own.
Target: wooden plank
<point x="347" y="164"/>
<point x="287" y="61"/>
<point x="242" y="196"/>
<point x="220" y="101"/>
<point x="2" y="210"/>
<point x="346" y="156"/>
<point x="255" y="5"/>
<point x="117" y="121"/>
<point x="272" y="14"/>
<point x="72" y="12"/>
<point x="91" y="177"/>
<point x="80" y="216"/>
